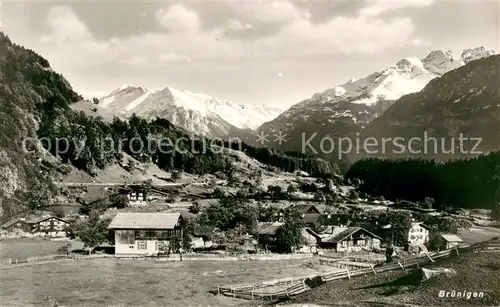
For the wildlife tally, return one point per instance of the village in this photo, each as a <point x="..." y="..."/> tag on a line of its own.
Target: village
<point x="348" y="224"/>
<point x="252" y="234"/>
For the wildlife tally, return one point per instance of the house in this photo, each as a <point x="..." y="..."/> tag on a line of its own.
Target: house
<point x="310" y="213"/>
<point x="16" y="225"/>
<point x="266" y="234"/>
<point x="140" y="195"/>
<point x="202" y="236"/>
<point x="418" y="234"/>
<point x="142" y="234"/>
<point x="447" y="241"/>
<point x="49" y="226"/>
<point x="347" y="239"/>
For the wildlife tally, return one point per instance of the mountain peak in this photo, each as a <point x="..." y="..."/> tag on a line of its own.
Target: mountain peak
<point x="476" y="53"/>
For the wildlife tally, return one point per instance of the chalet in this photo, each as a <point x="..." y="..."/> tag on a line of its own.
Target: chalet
<point x="16" y="225"/>
<point x="143" y="234"/>
<point x="140" y="195"/>
<point x="447" y="241"/>
<point x="347" y="239"/>
<point x="49" y="226"/>
<point x="418" y="234"/>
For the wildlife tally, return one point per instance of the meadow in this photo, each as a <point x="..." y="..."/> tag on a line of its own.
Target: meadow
<point x="121" y="282"/>
<point x="24" y="248"/>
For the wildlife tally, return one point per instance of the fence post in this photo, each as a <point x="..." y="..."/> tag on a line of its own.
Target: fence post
<point x="10" y="261"/>
<point x="402" y="267"/>
<point x="218" y="289"/>
<point x="348" y="273"/>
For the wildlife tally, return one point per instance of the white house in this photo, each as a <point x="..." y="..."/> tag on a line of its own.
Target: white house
<point x="418" y="234"/>
<point x="144" y="234"/>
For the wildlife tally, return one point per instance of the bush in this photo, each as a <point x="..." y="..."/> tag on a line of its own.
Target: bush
<point x="195" y="208"/>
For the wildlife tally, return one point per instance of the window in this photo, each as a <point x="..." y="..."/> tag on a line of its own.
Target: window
<point x="361" y="242"/>
<point x="141" y="245"/>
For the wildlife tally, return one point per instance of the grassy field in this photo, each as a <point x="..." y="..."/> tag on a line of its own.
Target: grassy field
<point x="24" y="248"/>
<point x="137" y="282"/>
<point x="475" y="272"/>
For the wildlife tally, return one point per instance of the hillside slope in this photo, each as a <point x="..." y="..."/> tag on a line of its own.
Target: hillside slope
<point x="28" y="88"/>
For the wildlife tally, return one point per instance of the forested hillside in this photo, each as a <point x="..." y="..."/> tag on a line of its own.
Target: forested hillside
<point x="471" y="183"/>
<point x="27" y="87"/>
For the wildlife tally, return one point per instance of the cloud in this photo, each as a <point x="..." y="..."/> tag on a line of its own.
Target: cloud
<point x="70" y="43"/>
<point x="178" y="18"/>
<point x="269" y="11"/>
<point x="236" y="25"/>
<point x="65" y="26"/>
<point x="379" y="7"/>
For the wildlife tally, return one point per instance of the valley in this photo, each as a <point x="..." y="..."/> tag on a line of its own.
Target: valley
<point x="155" y="196"/>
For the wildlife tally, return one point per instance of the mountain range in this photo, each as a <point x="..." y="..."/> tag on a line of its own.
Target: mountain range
<point x="200" y="114"/>
<point x="348" y="108"/>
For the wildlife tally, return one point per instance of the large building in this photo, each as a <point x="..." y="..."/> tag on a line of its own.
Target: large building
<point x="347" y="239"/>
<point x="144" y="234"/>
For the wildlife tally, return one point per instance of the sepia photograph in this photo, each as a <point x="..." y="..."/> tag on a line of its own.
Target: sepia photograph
<point x="294" y="153"/>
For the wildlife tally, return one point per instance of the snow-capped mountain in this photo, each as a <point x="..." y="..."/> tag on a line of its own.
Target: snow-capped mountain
<point x="348" y="108"/>
<point x="464" y="103"/>
<point x="198" y="113"/>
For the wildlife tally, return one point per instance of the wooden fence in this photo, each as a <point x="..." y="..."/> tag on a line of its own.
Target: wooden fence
<point x="46" y="259"/>
<point x="287" y="287"/>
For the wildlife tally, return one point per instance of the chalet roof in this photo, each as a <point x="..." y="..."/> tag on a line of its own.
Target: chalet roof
<point x="265" y="228"/>
<point x="44" y="218"/>
<point x="311" y="218"/>
<point x="340" y="233"/>
<point x="12" y="222"/>
<point x="451" y="237"/>
<point x="421" y="224"/>
<point x="303" y="208"/>
<point x="142" y="220"/>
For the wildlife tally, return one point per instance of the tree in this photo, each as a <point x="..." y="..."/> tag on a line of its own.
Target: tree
<point x="400" y="222"/>
<point x="289" y="235"/>
<point x="176" y="175"/>
<point x="58" y="211"/>
<point x="389" y="252"/>
<point x="291" y="189"/>
<point x="195" y="208"/>
<point x="175" y="244"/>
<point x="187" y="243"/>
<point x="64" y="249"/>
<point x="95" y="100"/>
<point x="276" y="192"/>
<point x="119" y="201"/>
<point x="353" y="195"/>
<point x="495" y="213"/>
<point x="428" y="203"/>
<point x="92" y="231"/>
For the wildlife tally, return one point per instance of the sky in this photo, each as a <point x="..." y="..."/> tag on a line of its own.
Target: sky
<point x="253" y="51"/>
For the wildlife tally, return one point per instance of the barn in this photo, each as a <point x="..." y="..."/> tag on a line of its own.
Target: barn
<point x="144" y="234"/>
